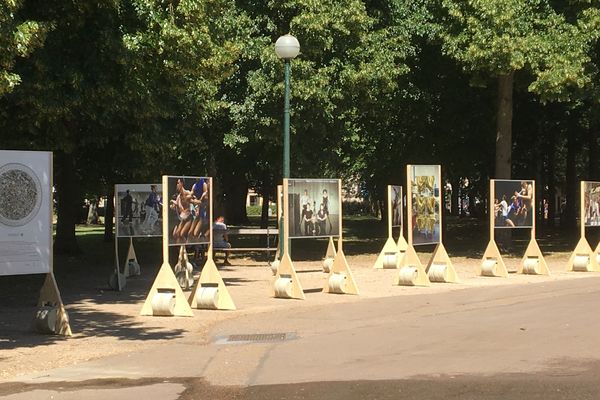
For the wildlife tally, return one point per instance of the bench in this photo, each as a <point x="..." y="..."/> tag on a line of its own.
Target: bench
<point x="233" y="231"/>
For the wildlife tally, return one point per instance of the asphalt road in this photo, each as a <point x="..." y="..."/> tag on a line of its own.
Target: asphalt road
<point x="534" y="341"/>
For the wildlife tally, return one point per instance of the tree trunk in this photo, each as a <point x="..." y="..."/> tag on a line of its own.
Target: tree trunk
<point x="550" y="176"/>
<point x="218" y="204"/>
<point x="572" y="195"/>
<point x="384" y="207"/>
<point x="540" y="178"/>
<point x="68" y="207"/>
<point x="109" y="212"/>
<point x="594" y="148"/>
<point x="455" y="198"/>
<point x="235" y="200"/>
<point x="472" y="210"/>
<point x="504" y="126"/>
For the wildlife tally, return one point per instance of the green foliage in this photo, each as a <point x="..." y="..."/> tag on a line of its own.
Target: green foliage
<point x="350" y="60"/>
<point x="18" y="38"/>
<point x="497" y="37"/>
<point x="132" y="89"/>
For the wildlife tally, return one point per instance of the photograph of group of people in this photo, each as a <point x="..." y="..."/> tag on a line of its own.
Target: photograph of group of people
<point x="591" y="203"/>
<point x="189" y="210"/>
<point x="138" y="210"/>
<point x="513" y="204"/>
<point x="314" y="207"/>
<point x="426" y="203"/>
<point x="396" y="205"/>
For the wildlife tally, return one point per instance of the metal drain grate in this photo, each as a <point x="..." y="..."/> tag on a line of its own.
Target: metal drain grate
<point x="255" y="338"/>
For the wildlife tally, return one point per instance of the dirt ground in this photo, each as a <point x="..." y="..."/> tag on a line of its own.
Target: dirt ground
<point x="106" y="322"/>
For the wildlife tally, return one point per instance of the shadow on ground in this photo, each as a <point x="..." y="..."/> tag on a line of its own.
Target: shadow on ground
<point x="83" y="280"/>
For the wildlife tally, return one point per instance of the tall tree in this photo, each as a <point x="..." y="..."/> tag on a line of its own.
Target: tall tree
<point x="496" y="39"/>
<point x="118" y="91"/>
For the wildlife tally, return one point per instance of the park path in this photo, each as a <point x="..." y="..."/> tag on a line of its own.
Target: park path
<point x="547" y="328"/>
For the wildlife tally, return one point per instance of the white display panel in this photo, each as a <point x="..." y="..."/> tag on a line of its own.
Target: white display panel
<point x="396" y="205"/>
<point x="187" y="208"/>
<point x="138" y="210"/>
<point x="314" y="208"/>
<point x="513" y="204"/>
<point x="591" y="203"/>
<point x="25" y="212"/>
<point x="426" y="204"/>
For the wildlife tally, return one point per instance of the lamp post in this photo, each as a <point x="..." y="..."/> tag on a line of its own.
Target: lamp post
<point x="287" y="48"/>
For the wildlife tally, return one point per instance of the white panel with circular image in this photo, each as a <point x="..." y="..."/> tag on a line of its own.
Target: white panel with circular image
<point x="25" y="212"/>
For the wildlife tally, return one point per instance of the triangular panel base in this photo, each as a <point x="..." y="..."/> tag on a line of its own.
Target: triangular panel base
<point x="416" y="275"/>
<point x="533" y="262"/>
<point x="184" y="270"/>
<point x="329" y="256"/>
<point x="388" y="254"/>
<point x="583" y="258"/>
<point x="596" y="255"/>
<point x="402" y="244"/>
<point x="50" y="295"/>
<point x="330" y="249"/>
<point x="286" y="273"/>
<point x="340" y="279"/>
<point x="210" y="277"/>
<point x="492" y="263"/>
<point x="133" y="270"/>
<point x="440" y="268"/>
<point x="165" y="280"/>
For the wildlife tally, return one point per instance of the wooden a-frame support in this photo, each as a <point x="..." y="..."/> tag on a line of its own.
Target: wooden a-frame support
<point x="131" y="256"/>
<point x="279" y="250"/>
<point x="533" y="262"/>
<point x="402" y="243"/>
<point x="329" y="256"/>
<point x="183" y="270"/>
<point x="533" y="255"/>
<point x="439" y="267"/>
<point x="285" y="270"/>
<point x="210" y="276"/>
<point x="583" y="258"/>
<point x="411" y="260"/>
<point x="331" y="252"/>
<point x="390" y="249"/>
<point x="340" y="279"/>
<point x="440" y="258"/>
<point x="596" y="254"/>
<point x="50" y="296"/>
<point x="165" y="279"/>
<point x="340" y="268"/>
<point x="117" y="280"/>
<point x="492" y="263"/>
<point x="49" y="293"/>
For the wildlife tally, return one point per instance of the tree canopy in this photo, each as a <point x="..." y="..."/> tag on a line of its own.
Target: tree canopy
<point x="127" y="90"/>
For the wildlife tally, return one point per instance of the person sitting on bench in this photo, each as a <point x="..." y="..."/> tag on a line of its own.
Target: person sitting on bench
<point x="220" y="240"/>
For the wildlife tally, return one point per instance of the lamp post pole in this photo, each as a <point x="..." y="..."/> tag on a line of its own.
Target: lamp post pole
<point x="287" y="48"/>
<point x="286" y="121"/>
